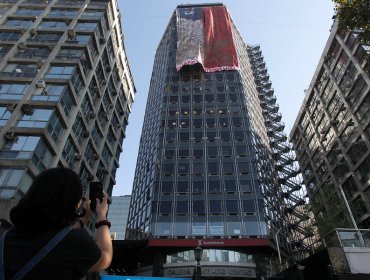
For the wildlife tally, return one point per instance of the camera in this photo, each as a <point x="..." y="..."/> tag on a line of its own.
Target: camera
<point x="95" y="191"/>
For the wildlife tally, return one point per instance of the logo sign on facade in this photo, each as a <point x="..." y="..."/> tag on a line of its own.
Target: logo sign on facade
<point x="110" y="277"/>
<point x="212" y="271"/>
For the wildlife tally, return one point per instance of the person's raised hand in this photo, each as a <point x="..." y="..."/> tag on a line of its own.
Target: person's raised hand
<point x="102" y="207"/>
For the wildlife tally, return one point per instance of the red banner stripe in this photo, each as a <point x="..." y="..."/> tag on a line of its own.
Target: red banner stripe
<point x="219" y="47"/>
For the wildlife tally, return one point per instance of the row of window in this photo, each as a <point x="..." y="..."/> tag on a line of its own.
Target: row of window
<point x="198" y="110"/>
<point x="198" y="136"/>
<point x="49" y="23"/>
<point x="41" y="118"/>
<point x="62" y="12"/>
<point x="185" y="168"/>
<point x="14" y="182"/>
<point x="28" y="147"/>
<point x="213" y="228"/>
<point x="199" y="122"/>
<point x="199" y="75"/>
<point x="201" y="98"/>
<point x="209" y="206"/>
<point x="213" y="183"/>
<point x="209" y="151"/>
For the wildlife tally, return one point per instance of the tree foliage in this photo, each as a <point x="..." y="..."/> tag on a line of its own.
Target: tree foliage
<point x="329" y="212"/>
<point x="355" y="16"/>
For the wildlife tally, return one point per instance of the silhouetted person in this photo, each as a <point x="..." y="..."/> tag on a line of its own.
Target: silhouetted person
<point x="48" y="212"/>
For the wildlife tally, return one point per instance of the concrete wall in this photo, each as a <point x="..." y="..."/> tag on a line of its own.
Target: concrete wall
<point x="5" y="206"/>
<point x="358" y="259"/>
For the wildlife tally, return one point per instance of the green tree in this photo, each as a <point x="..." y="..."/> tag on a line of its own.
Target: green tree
<point x="355" y="16"/>
<point x="329" y="211"/>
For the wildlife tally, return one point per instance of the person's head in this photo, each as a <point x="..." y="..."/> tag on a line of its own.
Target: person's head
<point x="50" y="203"/>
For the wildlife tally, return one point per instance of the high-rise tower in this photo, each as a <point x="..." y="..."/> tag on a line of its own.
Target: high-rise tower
<point x="214" y="168"/>
<point x="332" y="131"/>
<point x="65" y="91"/>
<point x="118" y="213"/>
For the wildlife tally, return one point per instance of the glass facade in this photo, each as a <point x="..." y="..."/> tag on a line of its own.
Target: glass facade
<point x="205" y="167"/>
<point x="211" y="255"/>
<point x="53" y="87"/>
<point x="118" y="213"/>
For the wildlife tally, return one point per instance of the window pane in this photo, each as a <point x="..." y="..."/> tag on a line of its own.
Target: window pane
<point x="232" y="206"/>
<point x="182" y="186"/>
<point x="215" y="206"/>
<point x="165" y="207"/>
<point x="249" y="206"/>
<point x="182" y="207"/>
<point x="198" y="206"/>
<point x="230" y="185"/>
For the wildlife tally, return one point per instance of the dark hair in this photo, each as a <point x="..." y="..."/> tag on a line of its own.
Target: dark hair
<point x="51" y="201"/>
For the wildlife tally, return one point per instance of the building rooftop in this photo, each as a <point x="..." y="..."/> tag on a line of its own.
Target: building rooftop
<point x="199" y="5"/>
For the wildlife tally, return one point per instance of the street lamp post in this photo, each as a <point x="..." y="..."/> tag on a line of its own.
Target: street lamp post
<point x="198" y="253"/>
<point x="277" y="245"/>
<point x="362" y="241"/>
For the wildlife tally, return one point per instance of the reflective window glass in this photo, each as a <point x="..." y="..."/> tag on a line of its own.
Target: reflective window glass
<point x="249" y="206"/>
<point x="198" y="186"/>
<point x="232" y="206"/>
<point x="246" y="185"/>
<point x="215" y="206"/>
<point x="230" y="185"/>
<point x="4" y="115"/>
<point x="10" y="35"/>
<point x="63" y="12"/>
<point x="165" y="207"/>
<point x="167" y="186"/>
<point x="198" y="168"/>
<point x="20" y="70"/>
<point x="182" y="207"/>
<point x="214" y="185"/>
<point x="182" y="186"/>
<point x="198" y="206"/>
<point x="228" y="167"/>
<point x="52" y="24"/>
<point x="18" y="22"/>
<point x="198" y="153"/>
<point x="212" y="151"/>
<point x="28" y="11"/>
<point x="60" y="72"/>
<point x="213" y="167"/>
<point x="12" y="90"/>
<point x="226" y="151"/>
<point x="183" y="168"/>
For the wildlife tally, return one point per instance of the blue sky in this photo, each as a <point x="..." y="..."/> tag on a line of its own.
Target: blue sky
<point x="292" y="35"/>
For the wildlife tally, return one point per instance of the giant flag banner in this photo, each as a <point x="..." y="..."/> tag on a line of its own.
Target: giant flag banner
<point x="204" y="36"/>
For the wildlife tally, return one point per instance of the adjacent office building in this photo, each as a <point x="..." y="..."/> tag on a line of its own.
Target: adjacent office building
<point x="66" y="91"/>
<point x="332" y="131"/>
<point x="118" y="213"/>
<point x="214" y="168"/>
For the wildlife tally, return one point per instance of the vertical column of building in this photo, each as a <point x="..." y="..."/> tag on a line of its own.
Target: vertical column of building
<point x="65" y="91"/>
<point x="145" y="193"/>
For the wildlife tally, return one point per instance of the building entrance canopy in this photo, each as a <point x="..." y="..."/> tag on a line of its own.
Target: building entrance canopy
<point x="110" y="277"/>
